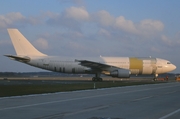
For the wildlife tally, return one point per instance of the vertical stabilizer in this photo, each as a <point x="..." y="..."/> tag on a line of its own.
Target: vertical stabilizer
<point x="21" y="45"/>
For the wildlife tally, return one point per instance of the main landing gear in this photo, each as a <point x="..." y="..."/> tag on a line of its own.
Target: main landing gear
<point x="97" y="78"/>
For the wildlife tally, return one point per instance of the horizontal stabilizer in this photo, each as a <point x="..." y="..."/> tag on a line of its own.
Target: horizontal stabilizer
<point x="19" y="58"/>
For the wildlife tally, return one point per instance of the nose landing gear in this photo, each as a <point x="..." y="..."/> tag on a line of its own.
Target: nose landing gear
<point x="155" y="77"/>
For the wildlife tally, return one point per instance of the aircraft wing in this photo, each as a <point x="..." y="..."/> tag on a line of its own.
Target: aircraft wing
<point x="96" y="65"/>
<point x="105" y="69"/>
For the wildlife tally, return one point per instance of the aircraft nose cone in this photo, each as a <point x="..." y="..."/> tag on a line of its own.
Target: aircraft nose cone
<point x="173" y="67"/>
<point x="170" y="68"/>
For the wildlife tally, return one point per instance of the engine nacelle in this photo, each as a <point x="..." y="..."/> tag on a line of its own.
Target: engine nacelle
<point x="121" y="73"/>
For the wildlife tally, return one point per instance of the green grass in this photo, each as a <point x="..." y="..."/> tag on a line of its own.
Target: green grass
<point x="16" y="90"/>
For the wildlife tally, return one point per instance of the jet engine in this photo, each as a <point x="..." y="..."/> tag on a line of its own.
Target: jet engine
<point x="121" y="73"/>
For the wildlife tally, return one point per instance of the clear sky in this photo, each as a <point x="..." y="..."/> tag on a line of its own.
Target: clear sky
<point x="90" y="28"/>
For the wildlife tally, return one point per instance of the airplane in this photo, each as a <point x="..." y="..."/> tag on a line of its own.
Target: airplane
<point x="118" y="67"/>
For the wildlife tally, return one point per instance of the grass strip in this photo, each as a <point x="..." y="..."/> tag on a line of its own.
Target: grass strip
<point x="18" y="90"/>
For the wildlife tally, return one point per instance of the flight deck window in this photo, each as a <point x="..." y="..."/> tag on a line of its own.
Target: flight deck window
<point x="168" y="62"/>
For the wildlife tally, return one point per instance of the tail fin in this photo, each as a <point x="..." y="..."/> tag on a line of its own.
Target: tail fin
<point x="21" y="45"/>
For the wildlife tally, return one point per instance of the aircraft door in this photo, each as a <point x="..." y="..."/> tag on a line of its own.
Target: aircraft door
<point x="45" y="63"/>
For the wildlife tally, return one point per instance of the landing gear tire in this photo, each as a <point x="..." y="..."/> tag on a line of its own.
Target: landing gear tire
<point x="154" y="79"/>
<point x="96" y="79"/>
<point x="100" y="79"/>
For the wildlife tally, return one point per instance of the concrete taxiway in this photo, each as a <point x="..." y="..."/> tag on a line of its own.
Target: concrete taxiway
<point x="154" y="101"/>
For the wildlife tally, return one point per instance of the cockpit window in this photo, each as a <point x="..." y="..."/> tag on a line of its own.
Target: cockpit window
<point x="168" y="62"/>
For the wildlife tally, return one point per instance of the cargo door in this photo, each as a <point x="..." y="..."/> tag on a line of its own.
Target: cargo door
<point x="147" y="68"/>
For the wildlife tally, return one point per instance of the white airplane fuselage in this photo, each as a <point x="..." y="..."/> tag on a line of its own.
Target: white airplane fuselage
<point x="120" y="67"/>
<point x="135" y="65"/>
